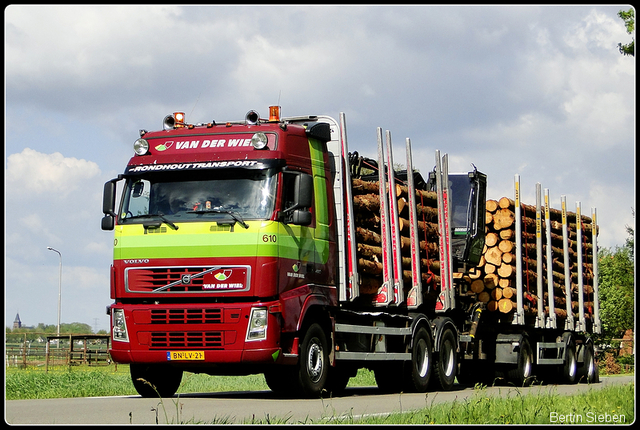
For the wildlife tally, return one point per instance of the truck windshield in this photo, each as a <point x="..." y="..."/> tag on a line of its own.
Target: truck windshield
<point x="231" y="194"/>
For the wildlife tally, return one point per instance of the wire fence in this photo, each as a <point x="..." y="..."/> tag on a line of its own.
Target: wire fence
<point x="43" y="351"/>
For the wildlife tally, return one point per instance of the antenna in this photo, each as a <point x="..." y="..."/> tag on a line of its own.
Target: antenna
<point x="196" y="104"/>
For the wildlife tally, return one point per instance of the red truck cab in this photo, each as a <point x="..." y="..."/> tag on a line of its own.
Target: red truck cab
<point x="224" y="241"/>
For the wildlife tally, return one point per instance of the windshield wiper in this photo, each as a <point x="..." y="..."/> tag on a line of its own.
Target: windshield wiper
<point x="235" y="215"/>
<point x="158" y="215"/>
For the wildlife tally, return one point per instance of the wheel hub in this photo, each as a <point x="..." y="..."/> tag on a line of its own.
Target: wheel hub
<point x="315" y="362"/>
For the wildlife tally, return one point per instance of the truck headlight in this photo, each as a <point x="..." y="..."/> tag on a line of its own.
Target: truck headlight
<point x="257" y="329"/>
<point x="259" y="140"/>
<point x="141" y="146"/>
<point x="119" y="326"/>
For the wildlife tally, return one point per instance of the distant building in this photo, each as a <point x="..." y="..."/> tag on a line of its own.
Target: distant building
<point x="17" y="323"/>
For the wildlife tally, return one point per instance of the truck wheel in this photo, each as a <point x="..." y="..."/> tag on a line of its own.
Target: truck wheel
<point x="421" y="362"/>
<point x="589" y="371"/>
<point x="155" y="380"/>
<point x="570" y="368"/>
<point x="446" y="361"/>
<point x="313" y="364"/>
<point x="522" y="375"/>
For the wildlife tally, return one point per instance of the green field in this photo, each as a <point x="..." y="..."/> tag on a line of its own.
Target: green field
<point x="84" y="381"/>
<point x="611" y="405"/>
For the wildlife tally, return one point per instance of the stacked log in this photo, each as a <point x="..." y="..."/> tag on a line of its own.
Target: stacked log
<point x="366" y="205"/>
<point x="494" y="279"/>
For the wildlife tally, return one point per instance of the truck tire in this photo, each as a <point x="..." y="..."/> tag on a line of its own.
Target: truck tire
<point x="570" y="367"/>
<point x="155" y="380"/>
<point x="313" y="364"/>
<point x="588" y="372"/>
<point x="522" y="375"/>
<point x="419" y="370"/>
<point x="446" y="361"/>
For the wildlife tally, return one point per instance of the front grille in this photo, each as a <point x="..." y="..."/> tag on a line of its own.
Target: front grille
<point x="146" y="280"/>
<point x="186" y="316"/>
<point x="187" y="339"/>
<point x="217" y="279"/>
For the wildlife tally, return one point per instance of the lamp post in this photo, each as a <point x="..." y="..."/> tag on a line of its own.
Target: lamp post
<point x="59" y="284"/>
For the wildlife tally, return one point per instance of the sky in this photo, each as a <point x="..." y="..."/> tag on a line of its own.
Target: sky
<point x="539" y="91"/>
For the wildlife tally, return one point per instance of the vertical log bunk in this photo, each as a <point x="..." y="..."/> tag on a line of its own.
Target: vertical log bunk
<point x="366" y="203"/>
<point x="557" y="253"/>
<point x="372" y="248"/>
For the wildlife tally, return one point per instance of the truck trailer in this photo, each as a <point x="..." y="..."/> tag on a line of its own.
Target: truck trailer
<point x="265" y="246"/>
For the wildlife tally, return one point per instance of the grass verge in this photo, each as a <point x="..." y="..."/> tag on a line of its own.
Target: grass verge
<point x="84" y="381"/>
<point x="607" y="405"/>
<point x="610" y="405"/>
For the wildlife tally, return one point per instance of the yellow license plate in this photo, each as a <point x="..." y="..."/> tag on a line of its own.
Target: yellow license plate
<point x="185" y="355"/>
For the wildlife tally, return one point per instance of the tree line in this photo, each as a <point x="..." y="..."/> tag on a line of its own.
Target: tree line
<point x="41" y="331"/>
<point x="616" y="289"/>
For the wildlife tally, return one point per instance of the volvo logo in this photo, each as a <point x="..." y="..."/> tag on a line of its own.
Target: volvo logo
<point x="137" y="261"/>
<point x="186" y="279"/>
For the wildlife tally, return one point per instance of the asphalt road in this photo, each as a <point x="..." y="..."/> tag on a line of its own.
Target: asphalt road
<point x="238" y="407"/>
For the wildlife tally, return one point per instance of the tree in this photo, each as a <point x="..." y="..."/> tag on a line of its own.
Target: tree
<point x="616" y="288"/>
<point x="75" y="328"/>
<point x="629" y="20"/>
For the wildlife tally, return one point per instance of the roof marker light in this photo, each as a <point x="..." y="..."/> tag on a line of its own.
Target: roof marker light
<point x="274" y="113"/>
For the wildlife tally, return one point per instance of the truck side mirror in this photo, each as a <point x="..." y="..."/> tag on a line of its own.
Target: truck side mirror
<point x="301" y="199"/>
<point x="108" y="222"/>
<point x="303" y="187"/>
<point x="109" y="198"/>
<point x="301" y="217"/>
<point x="109" y="203"/>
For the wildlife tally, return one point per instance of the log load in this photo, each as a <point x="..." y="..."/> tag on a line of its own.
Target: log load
<point x="493" y="281"/>
<point x="497" y="267"/>
<point x="366" y="206"/>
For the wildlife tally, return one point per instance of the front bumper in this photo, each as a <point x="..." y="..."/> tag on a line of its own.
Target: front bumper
<point x="214" y="333"/>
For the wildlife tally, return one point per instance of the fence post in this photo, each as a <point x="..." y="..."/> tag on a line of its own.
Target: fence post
<point x="24" y="351"/>
<point x="70" y="352"/>
<point x="46" y="356"/>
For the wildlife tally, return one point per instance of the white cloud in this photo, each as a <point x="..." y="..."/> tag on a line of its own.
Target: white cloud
<point x="616" y="209"/>
<point x="596" y="30"/>
<point x="88" y="279"/>
<point x="80" y="45"/>
<point x="99" y="248"/>
<point x="41" y="174"/>
<point x="84" y="295"/>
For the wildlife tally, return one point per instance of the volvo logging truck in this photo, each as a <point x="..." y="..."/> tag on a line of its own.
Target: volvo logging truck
<point x="265" y="246"/>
